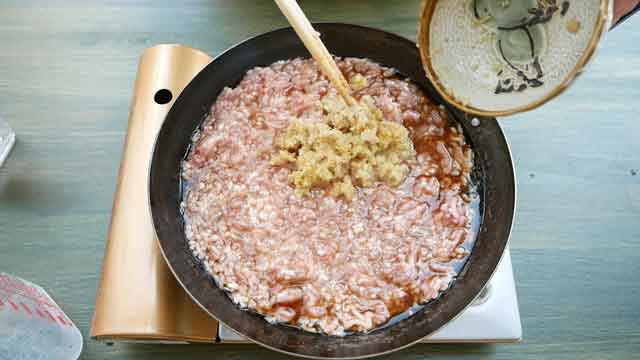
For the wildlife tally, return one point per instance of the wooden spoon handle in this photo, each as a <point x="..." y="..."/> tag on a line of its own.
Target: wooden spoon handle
<point x="312" y="42"/>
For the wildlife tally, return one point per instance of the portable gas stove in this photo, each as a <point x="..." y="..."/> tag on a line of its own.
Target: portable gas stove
<point x="140" y="301"/>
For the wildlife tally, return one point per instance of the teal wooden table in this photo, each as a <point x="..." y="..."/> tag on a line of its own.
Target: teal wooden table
<point x="66" y="76"/>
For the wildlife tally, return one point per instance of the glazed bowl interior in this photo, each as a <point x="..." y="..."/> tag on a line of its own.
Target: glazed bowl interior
<point x="493" y="173"/>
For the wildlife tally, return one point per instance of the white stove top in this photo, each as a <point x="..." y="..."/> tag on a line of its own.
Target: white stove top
<point x="492" y="318"/>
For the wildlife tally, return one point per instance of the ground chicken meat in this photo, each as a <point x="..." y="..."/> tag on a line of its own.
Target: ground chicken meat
<point x="319" y="262"/>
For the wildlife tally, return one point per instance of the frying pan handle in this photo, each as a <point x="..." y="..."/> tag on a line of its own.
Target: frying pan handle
<point x="626" y="16"/>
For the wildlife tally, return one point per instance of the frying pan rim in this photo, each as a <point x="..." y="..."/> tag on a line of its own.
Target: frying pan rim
<point x="500" y="135"/>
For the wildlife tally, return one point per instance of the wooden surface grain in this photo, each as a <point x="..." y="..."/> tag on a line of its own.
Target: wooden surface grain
<point x="66" y="76"/>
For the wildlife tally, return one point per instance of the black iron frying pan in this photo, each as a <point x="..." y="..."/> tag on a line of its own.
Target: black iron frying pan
<point x="494" y="172"/>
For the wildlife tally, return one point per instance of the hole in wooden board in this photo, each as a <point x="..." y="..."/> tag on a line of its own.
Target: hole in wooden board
<point x="163" y="96"/>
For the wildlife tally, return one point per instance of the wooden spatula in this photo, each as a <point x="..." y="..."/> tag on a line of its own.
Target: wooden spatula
<point x="312" y="42"/>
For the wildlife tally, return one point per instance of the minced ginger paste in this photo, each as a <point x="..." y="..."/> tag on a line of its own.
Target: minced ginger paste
<point x="352" y="146"/>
